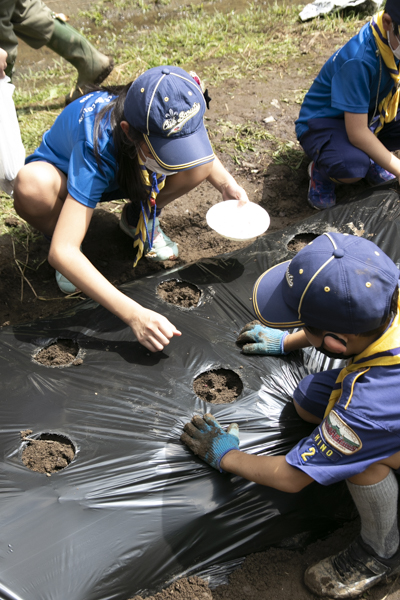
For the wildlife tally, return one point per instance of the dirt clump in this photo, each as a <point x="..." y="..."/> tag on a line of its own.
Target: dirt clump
<point x="180" y="293"/>
<point x="48" y="454"/>
<point x="301" y="240"/>
<point x="184" y="589"/>
<point x="59" y="354"/>
<point x="220" y="386"/>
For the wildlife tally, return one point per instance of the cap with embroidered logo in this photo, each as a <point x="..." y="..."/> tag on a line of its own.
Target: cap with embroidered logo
<point x="338" y="282"/>
<point x="392" y="8"/>
<point x="167" y="105"/>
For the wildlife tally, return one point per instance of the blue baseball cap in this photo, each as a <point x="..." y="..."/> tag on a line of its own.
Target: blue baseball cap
<point x="167" y="105"/>
<point x="340" y="283"/>
<point x="392" y="8"/>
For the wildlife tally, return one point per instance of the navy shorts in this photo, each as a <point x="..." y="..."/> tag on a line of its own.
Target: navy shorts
<point x="327" y="144"/>
<point x="313" y="392"/>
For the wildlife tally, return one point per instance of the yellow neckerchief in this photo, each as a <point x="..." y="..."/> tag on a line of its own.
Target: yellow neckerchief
<point x="153" y="185"/>
<point x="389" y="105"/>
<point x="384" y="351"/>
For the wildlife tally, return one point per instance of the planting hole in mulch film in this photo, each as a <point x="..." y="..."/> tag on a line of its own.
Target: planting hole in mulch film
<point x="61" y="353"/>
<point x="180" y="293"/>
<point x="301" y="240"/>
<point x="220" y="386"/>
<point x="47" y="452"/>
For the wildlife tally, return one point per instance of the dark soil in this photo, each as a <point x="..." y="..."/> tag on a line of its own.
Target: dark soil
<point x="220" y="386"/>
<point x="180" y="293"/>
<point x="184" y="589"/>
<point x="59" y="354"/>
<point x="47" y="454"/>
<point x="299" y="241"/>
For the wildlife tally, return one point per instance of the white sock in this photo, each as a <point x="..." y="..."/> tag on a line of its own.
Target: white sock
<point x="377" y="506"/>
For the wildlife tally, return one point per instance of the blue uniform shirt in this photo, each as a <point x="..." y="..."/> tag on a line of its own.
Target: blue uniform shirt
<point x="356" y="433"/>
<point x="348" y="82"/>
<point x="68" y="145"/>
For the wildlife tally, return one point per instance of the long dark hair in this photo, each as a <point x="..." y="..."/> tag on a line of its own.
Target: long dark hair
<point x="126" y="145"/>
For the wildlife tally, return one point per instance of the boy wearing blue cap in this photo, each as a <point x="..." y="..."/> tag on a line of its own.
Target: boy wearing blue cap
<point x="342" y="291"/>
<point x="348" y="120"/>
<point x="145" y="142"/>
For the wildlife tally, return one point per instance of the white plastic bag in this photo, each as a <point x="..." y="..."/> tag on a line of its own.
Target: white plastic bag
<point x="12" y="152"/>
<point x="321" y="7"/>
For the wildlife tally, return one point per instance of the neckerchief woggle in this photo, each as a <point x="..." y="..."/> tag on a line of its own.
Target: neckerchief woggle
<point x="385" y="351"/>
<point x="153" y="185"/>
<point x="389" y="106"/>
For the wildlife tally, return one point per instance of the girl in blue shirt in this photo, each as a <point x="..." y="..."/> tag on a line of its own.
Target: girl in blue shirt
<point x="146" y="143"/>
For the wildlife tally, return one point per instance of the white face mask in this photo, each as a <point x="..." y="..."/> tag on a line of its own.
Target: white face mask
<point x="396" y="52"/>
<point x="152" y="165"/>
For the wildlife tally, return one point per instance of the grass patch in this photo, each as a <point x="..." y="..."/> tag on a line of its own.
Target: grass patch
<point x="254" y="41"/>
<point x="241" y="139"/>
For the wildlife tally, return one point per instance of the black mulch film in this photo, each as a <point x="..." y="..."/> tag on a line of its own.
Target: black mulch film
<point x="134" y="508"/>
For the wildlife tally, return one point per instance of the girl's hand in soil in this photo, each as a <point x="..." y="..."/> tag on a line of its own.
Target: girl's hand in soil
<point x="3" y="63"/>
<point x="151" y="329"/>
<point x="206" y="438"/>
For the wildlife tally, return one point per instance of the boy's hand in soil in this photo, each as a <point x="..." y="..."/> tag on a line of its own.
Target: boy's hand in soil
<point x="258" y="339"/>
<point x="206" y="438"/>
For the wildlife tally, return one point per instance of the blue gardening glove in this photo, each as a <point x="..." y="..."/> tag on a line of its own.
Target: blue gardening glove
<point x="258" y="339"/>
<point x="206" y="438"/>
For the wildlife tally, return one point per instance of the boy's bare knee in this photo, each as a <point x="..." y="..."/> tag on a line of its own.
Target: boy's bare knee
<point x="373" y="474"/>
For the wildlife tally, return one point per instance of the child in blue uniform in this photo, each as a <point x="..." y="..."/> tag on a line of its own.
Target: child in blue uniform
<point x="342" y="291"/>
<point x="347" y="122"/>
<point x="147" y="143"/>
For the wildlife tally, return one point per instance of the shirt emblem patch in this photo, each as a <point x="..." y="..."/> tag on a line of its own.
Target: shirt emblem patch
<point x="339" y="435"/>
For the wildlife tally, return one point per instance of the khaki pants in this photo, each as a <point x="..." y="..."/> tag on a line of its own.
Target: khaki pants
<point x="30" y="20"/>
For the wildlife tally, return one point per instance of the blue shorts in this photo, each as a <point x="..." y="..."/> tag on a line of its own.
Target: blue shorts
<point x="327" y="144"/>
<point x="313" y="392"/>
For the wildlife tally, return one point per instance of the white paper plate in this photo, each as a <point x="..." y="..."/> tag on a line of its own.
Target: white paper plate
<point x="238" y="222"/>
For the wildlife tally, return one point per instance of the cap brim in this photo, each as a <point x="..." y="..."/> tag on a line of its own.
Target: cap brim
<point x="268" y="299"/>
<point x="181" y="153"/>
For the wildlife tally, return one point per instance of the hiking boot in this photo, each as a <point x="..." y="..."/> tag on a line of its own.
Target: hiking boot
<point x="321" y="191"/>
<point x="163" y="247"/>
<point x="92" y="66"/>
<point x="376" y="174"/>
<point x="351" y="572"/>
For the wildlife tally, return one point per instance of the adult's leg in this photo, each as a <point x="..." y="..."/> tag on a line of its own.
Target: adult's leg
<point x="37" y="25"/>
<point x="92" y="66"/>
<point x="39" y="193"/>
<point x="33" y="22"/>
<point x="8" y="39"/>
